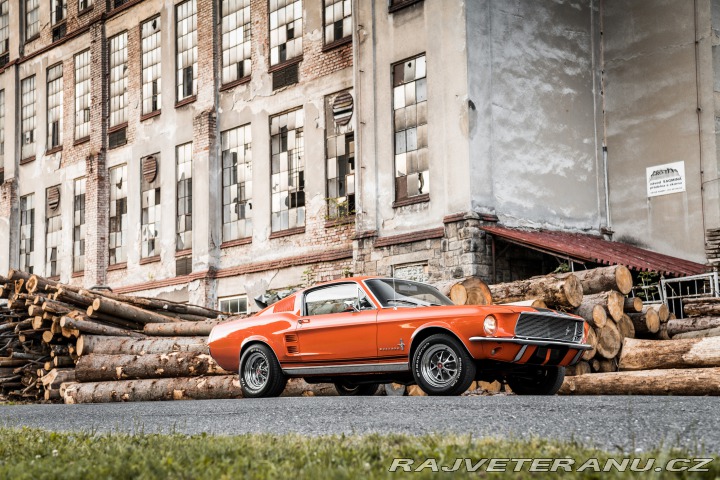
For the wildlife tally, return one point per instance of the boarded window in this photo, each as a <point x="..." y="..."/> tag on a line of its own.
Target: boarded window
<point x="237" y="183"/>
<point x="287" y="170"/>
<point x="286" y="30"/>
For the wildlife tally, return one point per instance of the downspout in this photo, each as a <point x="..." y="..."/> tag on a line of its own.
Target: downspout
<point x="606" y="182"/>
<point x="699" y="120"/>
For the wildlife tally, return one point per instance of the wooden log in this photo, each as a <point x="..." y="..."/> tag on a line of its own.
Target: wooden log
<point x="697" y="309"/>
<point x="183" y="329"/>
<point x="465" y="291"/>
<point x="73" y="298"/>
<point x="12" y="362"/>
<point x="128" y="312"/>
<point x="591" y="340"/>
<point x="594" y="365"/>
<point x="88" y="344"/>
<point x="196" y="388"/>
<point x="654" y="354"/>
<point x="156" y="304"/>
<point x="97" y="368"/>
<point x="692" y="381"/>
<point x="633" y="304"/>
<point x="597" y="280"/>
<point x="534" y="302"/>
<point x="660" y="308"/>
<point x="612" y="301"/>
<point x="565" y="292"/>
<point x="626" y="327"/>
<point x="609" y="341"/>
<point x="105" y="318"/>
<point x="60" y="362"/>
<point x="96" y="328"/>
<point x="682" y="325"/>
<point x="593" y="313"/>
<point x="51" y="394"/>
<point x="648" y="322"/>
<point x="580" y="368"/>
<point x="56" y="376"/>
<point x="605" y="366"/>
<point x="710" y="332"/>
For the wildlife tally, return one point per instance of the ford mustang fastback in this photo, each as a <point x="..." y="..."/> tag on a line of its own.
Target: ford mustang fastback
<point x="358" y="333"/>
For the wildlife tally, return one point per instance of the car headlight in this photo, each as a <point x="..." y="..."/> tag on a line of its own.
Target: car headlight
<point x="490" y="325"/>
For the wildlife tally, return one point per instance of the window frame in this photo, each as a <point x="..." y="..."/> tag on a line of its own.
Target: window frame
<point x="179" y="101"/>
<point x="150" y="113"/>
<point x="246" y="75"/>
<point x="49" y="147"/>
<point x="338" y="41"/>
<point x="79" y="224"/>
<point x="297" y="57"/>
<point x="358" y="289"/>
<point x="23" y="156"/>
<point x="123" y="246"/>
<point x="300" y="172"/>
<point x="85" y="125"/>
<point x="235" y="297"/>
<point x="188" y="186"/>
<point x="248" y="200"/>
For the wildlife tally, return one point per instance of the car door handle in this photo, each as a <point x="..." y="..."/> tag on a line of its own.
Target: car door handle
<point x="303" y="320"/>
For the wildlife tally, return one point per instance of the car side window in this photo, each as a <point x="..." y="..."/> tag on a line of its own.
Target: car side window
<point x="346" y="297"/>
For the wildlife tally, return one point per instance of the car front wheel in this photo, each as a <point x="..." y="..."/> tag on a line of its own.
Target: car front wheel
<point x="441" y="366"/>
<point x="538" y="381"/>
<point x="346" y="389"/>
<point x="260" y="373"/>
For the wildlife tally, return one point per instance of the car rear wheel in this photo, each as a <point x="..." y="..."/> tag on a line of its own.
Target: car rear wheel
<point x="260" y="373"/>
<point x="441" y="366"/>
<point x="538" y="381"/>
<point x="346" y="389"/>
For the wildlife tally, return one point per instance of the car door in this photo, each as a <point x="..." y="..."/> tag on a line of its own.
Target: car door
<point x="338" y="323"/>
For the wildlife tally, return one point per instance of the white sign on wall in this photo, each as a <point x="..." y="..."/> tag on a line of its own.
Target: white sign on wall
<point x="666" y="179"/>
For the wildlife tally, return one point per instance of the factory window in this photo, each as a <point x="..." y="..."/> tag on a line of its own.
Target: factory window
<point x="27" y="233"/>
<point x="286" y="30"/>
<point x="236" y="32"/>
<point x="151" y="206"/>
<point x="84" y="5"/>
<point x="183" y="155"/>
<point x="235" y="305"/>
<point x="32" y="19"/>
<point x="118" y="214"/>
<point x="4" y="32"/>
<point x="27" y="139"/>
<point x="287" y="170"/>
<point x="410" y="127"/>
<point x="54" y="106"/>
<point x="186" y="31"/>
<point x="151" y="74"/>
<point x="396" y="5"/>
<point x="2" y="122"/>
<point x="340" y="155"/>
<point x="338" y="20"/>
<point x="118" y="90"/>
<point x="59" y="11"/>
<point x="237" y="183"/>
<point x="79" y="226"/>
<point x="82" y="95"/>
<point x="53" y="230"/>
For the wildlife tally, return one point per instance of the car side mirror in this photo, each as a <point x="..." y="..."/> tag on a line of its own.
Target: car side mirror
<point x="350" y="306"/>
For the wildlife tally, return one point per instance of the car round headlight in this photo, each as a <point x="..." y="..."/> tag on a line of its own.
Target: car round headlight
<point x="490" y="325"/>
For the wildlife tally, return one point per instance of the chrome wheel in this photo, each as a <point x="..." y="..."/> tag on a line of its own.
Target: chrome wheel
<point x="439" y="366"/>
<point x="255" y="371"/>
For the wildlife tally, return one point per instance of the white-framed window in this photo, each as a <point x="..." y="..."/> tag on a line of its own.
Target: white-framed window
<point x="236" y="36"/>
<point x="286" y="30"/>
<point x="53" y="230"/>
<point x="27" y="93"/>
<point x="4" y="29"/>
<point x="237" y="183"/>
<point x="54" y="106"/>
<point x="2" y="122"/>
<point x="32" y="19"/>
<point x="287" y="170"/>
<point x="183" y="157"/>
<point x="27" y="233"/>
<point x="79" y="225"/>
<point x="337" y="19"/>
<point x="186" y="45"/>
<point x="118" y="214"/>
<point x="151" y="206"/>
<point x="410" y="127"/>
<point x="82" y="95"/>
<point x="84" y="5"/>
<point x="237" y="305"/>
<point x="151" y="66"/>
<point x="59" y="11"/>
<point x="118" y="80"/>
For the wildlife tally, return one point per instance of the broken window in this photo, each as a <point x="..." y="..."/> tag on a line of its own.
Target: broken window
<point x="236" y="33"/>
<point x="53" y="230"/>
<point x="150" y="207"/>
<point x="340" y="155"/>
<point x="410" y="127"/>
<point x="287" y="170"/>
<point x="79" y="225"/>
<point x="286" y="30"/>
<point x="337" y="20"/>
<point x="118" y="82"/>
<point x="32" y="19"/>
<point x="151" y="64"/>
<point x="237" y="183"/>
<point x="54" y="106"/>
<point x="4" y="32"/>
<point x="27" y="139"/>
<point x="186" y="32"/>
<point x="183" y="155"/>
<point x="118" y="214"/>
<point x="27" y="233"/>
<point x="82" y="95"/>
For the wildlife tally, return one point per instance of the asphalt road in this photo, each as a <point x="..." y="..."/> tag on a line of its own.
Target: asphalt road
<point x="626" y="423"/>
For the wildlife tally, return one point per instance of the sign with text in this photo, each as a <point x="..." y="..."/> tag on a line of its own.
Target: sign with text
<point x="666" y="179"/>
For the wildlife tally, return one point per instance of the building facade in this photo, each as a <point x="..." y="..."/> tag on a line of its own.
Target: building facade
<point x="209" y="150"/>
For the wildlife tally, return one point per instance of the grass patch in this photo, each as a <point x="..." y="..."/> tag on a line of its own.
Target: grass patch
<point x="37" y="454"/>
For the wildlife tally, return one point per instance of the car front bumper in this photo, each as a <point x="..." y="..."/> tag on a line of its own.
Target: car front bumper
<point x="526" y="342"/>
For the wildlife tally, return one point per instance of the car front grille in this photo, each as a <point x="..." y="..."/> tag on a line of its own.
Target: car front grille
<point x="549" y="326"/>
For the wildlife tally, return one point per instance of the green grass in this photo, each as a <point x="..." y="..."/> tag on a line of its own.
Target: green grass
<point x="37" y="454"/>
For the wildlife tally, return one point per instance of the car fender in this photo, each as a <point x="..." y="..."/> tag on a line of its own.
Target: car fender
<point x="255" y="339"/>
<point x="444" y="326"/>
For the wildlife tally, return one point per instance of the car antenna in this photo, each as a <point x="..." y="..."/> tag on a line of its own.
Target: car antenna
<point x="394" y="291"/>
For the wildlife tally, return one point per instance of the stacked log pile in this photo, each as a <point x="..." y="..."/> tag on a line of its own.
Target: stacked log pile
<point x="63" y="342"/>
<point x="701" y="319"/>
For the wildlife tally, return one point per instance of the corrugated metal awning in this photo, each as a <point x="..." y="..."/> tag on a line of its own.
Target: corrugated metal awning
<point x="592" y="248"/>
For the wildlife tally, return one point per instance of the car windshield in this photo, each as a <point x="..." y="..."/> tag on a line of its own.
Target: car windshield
<point x="402" y="293"/>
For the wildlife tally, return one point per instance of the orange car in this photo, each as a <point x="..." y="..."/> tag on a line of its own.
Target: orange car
<point x="360" y="332"/>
